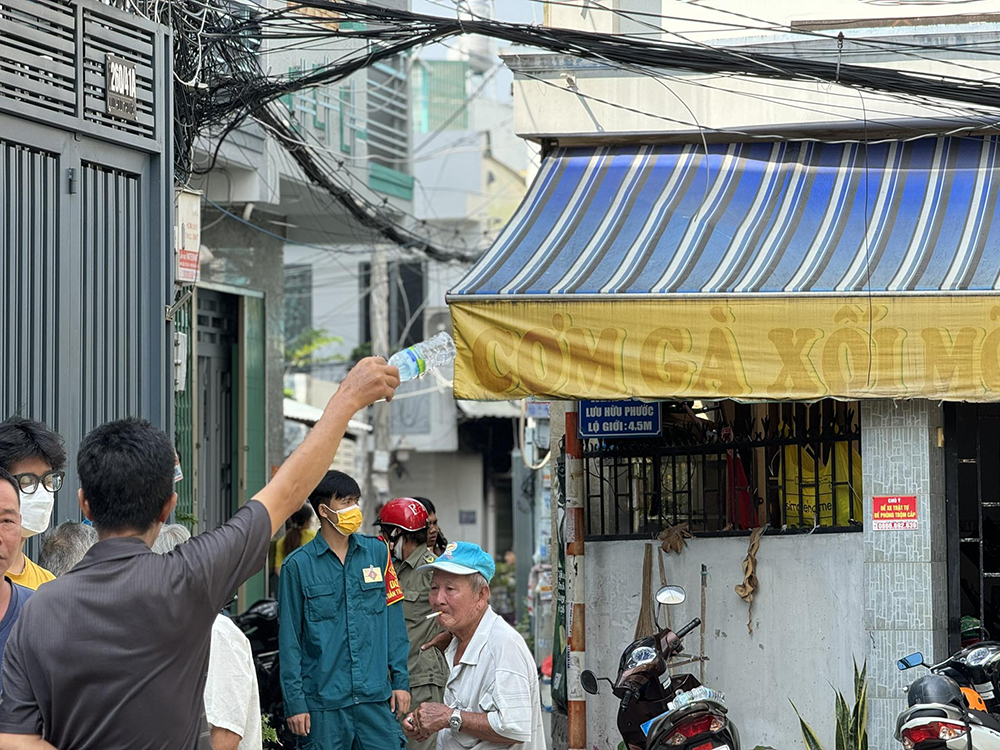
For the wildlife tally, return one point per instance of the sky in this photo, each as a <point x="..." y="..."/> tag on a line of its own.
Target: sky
<point x="516" y="11"/>
<point x="520" y="11"/>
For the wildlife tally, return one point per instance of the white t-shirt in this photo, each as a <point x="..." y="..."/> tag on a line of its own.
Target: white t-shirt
<point x="231" y="698"/>
<point x="496" y="676"/>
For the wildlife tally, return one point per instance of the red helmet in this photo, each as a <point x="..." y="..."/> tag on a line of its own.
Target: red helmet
<point x="404" y="512"/>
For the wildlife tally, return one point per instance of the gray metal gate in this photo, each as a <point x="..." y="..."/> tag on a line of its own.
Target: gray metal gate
<point x="217" y="324"/>
<point x="86" y="256"/>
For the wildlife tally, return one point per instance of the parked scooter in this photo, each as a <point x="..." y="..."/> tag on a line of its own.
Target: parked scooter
<point x="954" y="706"/>
<point x="937" y="717"/>
<point x="975" y="669"/>
<point x="659" y="711"/>
<point x="260" y="625"/>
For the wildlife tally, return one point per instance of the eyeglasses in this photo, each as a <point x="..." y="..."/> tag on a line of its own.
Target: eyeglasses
<point x="53" y="481"/>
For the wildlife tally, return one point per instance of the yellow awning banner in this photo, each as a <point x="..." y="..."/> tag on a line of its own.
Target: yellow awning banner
<point x="748" y="348"/>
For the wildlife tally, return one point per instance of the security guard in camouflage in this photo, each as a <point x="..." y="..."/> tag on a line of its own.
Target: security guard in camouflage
<point x="404" y="526"/>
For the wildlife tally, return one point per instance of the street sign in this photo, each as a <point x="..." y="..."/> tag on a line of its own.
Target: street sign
<point x="894" y="512"/>
<point x="120" y="87"/>
<point x="630" y="418"/>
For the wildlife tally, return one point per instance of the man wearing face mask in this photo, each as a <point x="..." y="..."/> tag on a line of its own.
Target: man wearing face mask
<point x="342" y="635"/>
<point x="34" y="455"/>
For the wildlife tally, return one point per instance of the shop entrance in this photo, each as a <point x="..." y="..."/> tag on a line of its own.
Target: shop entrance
<point x="972" y="473"/>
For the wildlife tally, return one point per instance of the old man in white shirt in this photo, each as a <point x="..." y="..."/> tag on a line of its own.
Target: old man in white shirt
<point x="492" y="690"/>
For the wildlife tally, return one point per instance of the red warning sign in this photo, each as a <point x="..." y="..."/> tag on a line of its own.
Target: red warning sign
<point x="894" y="512"/>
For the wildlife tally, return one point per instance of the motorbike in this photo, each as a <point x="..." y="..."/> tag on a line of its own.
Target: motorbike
<point x="660" y="711"/>
<point x="260" y="625"/>
<point x="954" y="706"/>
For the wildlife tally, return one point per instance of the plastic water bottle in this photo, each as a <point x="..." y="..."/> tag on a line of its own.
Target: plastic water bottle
<point x="415" y="360"/>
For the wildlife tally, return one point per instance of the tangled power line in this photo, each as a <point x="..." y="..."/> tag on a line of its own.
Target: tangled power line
<point x="220" y="81"/>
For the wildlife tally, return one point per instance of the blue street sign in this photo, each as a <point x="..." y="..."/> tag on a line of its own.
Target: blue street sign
<point x="631" y="418"/>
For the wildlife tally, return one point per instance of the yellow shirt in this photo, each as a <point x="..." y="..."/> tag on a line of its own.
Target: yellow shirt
<point x="279" y="548"/>
<point x="32" y="576"/>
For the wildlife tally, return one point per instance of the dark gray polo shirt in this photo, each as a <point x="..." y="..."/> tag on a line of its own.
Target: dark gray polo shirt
<point x="114" y="653"/>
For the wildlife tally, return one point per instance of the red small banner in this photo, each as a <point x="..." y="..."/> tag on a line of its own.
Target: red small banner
<point x="894" y="512"/>
<point x="393" y="591"/>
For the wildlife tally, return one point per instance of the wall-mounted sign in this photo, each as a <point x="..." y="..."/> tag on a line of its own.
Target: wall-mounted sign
<point x="187" y="236"/>
<point x="467" y="517"/>
<point x="120" y="88"/>
<point x="630" y="418"/>
<point x="894" y="512"/>
<point x="538" y="409"/>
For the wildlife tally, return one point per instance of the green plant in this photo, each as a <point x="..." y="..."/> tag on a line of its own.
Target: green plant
<point x="852" y="726"/>
<point x="300" y="352"/>
<point x="189" y="519"/>
<point x="268" y="733"/>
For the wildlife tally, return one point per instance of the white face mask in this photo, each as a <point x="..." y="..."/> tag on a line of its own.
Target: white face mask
<point x="36" y="511"/>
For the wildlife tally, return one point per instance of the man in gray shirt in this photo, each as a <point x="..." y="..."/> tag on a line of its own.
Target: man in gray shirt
<point x="114" y="654"/>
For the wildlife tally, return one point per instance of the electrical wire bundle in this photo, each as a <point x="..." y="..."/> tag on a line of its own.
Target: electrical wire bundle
<point x="391" y="32"/>
<point x="220" y="81"/>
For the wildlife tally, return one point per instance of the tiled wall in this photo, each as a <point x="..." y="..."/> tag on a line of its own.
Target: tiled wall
<point x="905" y="571"/>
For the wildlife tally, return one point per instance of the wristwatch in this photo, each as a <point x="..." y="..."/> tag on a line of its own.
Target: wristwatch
<point x="455" y="722"/>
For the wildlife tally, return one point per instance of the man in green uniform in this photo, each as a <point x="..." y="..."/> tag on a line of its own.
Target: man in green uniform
<point x="342" y="636"/>
<point x="404" y="526"/>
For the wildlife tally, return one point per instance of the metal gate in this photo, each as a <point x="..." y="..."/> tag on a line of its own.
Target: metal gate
<point x="85" y="222"/>
<point x="217" y="323"/>
<point x="972" y="472"/>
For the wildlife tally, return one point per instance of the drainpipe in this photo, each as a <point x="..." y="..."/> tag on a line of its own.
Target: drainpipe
<point x="576" y="582"/>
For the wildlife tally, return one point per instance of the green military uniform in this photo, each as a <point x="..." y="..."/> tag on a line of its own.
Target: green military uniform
<point x="428" y="669"/>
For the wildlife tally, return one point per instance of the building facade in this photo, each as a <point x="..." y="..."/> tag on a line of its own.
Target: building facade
<point x="467" y="173"/>
<point x="86" y="217"/>
<point x="651" y="260"/>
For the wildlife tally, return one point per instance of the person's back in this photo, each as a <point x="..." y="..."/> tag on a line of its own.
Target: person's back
<point x="232" y="697"/>
<point x="152" y="657"/>
<point x="298" y="535"/>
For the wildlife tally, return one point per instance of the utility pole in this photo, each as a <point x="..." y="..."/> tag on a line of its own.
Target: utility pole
<point x="377" y="489"/>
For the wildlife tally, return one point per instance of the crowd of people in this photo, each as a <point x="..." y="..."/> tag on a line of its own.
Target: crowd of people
<point x="116" y="637"/>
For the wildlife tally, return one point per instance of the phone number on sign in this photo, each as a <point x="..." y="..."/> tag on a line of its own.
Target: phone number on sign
<point x="895" y="525"/>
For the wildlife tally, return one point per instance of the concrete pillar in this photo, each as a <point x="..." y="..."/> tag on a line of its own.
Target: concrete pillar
<point x="906" y="582"/>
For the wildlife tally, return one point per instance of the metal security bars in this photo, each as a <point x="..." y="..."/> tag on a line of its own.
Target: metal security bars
<point x="793" y="467"/>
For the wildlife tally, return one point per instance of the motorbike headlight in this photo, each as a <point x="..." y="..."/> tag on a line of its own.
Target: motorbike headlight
<point x="639" y="656"/>
<point x="977" y="657"/>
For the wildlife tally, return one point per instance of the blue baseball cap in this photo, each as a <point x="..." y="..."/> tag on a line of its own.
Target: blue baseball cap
<point x="464" y="559"/>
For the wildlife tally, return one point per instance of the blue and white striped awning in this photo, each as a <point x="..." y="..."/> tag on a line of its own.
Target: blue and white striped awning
<point x="753" y="218"/>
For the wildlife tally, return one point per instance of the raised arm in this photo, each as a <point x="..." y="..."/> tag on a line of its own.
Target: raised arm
<point x="370" y="380"/>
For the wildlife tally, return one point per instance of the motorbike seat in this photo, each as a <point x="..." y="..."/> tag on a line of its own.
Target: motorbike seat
<point x="985" y="720"/>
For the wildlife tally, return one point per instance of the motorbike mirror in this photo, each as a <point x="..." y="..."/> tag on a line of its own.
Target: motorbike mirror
<point x="908" y="662"/>
<point x="589" y="681"/>
<point x="671" y="595"/>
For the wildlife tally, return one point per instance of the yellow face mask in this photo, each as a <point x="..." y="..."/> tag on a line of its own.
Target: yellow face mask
<point x="348" y="520"/>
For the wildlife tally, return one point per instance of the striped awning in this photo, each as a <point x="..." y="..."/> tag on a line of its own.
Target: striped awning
<point x="738" y="243"/>
<point x="753" y="218"/>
